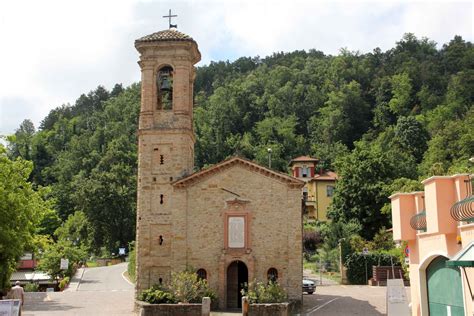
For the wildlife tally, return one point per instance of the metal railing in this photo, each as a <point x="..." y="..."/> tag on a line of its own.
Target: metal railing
<point x="418" y="221"/>
<point x="463" y="210"/>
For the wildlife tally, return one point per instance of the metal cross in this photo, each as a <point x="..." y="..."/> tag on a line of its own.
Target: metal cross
<point x="169" y="16"/>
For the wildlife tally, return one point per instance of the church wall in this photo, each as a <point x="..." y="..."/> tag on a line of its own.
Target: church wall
<point x="274" y="211"/>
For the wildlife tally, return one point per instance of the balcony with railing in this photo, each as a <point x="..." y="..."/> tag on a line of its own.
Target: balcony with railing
<point x="463" y="210"/>
<point x="418" y="221"/>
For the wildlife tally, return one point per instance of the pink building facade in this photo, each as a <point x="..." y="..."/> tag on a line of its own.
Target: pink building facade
<point x="438" y="227"/>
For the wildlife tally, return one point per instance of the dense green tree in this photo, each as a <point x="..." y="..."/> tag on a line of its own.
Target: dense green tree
<point x="412" y="136"/>
<point x="360" y="193"/>
<point x="344" y="117"/>
<point x="21" y="141"/>
<point x="21" y="209"/>
<point x="50" y="261"/>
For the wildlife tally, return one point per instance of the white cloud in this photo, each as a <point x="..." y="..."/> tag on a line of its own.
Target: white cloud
<point x="53" y="50"/>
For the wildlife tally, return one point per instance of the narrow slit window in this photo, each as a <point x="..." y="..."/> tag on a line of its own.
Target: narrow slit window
<point x="162" y="159"/>
<point x="161" y="198"/>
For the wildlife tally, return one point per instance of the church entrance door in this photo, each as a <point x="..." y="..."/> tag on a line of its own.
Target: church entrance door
<point x="237" y="275"/>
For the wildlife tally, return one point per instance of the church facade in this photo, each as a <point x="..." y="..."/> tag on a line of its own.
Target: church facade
<point x="232" y="223"/>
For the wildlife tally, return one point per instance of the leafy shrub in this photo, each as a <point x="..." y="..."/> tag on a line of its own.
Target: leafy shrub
<point x="185" y="287"/>
<point x="155" y="295"/>
<point x="259" y="292"/>
<point x="131" y="264"/>
<point x="31" y="287"/>
<point x="329" y="258"/>
<point x="63" y="283"/>
<point x="355" y="264"/>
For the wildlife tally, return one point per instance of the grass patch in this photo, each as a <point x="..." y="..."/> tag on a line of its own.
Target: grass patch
<point x="334" y="276"/>
<point x="125" y="274"/>
<point x="91" y="264"/>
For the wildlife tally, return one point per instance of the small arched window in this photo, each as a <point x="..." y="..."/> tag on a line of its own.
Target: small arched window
<point x="202" y="274"/>
<point x="272" y="275"/>
<point x="164" y="88"/>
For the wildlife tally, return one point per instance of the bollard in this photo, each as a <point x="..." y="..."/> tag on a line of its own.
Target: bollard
<point x="245" y="306"/>
<point x="206" y="306"/>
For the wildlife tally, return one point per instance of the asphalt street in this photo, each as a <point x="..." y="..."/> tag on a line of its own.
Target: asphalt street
<point x="102" y="291"/>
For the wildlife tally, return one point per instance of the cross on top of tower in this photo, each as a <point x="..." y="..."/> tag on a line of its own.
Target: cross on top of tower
<point x="169" y="16"/>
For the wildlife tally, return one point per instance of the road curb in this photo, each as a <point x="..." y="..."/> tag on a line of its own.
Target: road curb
<point x="74" y="285"/>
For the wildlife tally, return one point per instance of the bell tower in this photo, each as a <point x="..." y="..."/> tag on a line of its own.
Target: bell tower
<point x="165" y="145"/>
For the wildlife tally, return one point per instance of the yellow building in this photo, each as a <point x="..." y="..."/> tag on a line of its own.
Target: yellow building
<point x="319" y="188"/>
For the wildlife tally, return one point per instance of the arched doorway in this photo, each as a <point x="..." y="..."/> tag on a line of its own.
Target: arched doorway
<point x="237" y="275"/>
<point x="444" y="284"/>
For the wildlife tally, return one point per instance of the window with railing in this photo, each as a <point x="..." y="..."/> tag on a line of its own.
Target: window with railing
<point x="463" y="210"/>
<point x="418" y="221"/>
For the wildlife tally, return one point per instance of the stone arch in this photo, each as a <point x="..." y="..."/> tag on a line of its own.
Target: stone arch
<point x="164" y="87"/>
<point x="423" y="288"/>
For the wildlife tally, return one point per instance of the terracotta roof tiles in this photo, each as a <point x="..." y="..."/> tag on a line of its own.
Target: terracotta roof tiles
<point x="327" y="175"/>
<point x="166" y="35"/>
<point x="305" y="158"/>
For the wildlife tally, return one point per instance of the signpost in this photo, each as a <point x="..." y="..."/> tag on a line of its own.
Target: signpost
<point x="365" y="253"/>
<point x="121" y="251"/>
<point x="10" y="307"/>
<point x="64" y="265"/>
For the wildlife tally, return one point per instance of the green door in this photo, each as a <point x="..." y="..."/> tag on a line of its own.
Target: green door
<point x="445" y="297"/>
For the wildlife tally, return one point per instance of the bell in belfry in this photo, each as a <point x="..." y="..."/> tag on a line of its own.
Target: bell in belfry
<point x="165" y="83"/>
<point x="165" y="79"/>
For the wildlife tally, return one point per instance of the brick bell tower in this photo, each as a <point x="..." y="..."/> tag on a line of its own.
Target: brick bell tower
<point x="165" y="145"/>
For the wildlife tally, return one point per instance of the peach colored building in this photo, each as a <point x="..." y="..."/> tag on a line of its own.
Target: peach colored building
<point x="437" y="224"/>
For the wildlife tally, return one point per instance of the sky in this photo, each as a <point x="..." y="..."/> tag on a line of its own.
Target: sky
<point x="52" y="51"/>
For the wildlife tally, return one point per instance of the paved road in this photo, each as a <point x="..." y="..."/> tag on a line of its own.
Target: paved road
<point x="335" y="300"/>
<point x="102" y="291"/>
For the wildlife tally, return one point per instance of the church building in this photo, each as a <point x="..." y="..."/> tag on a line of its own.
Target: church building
<point x="233" y="222"/>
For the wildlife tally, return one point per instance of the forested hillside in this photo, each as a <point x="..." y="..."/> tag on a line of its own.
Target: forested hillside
<point x="382" y="120"/>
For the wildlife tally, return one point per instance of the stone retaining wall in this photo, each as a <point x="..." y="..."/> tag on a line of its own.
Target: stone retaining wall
<point x="277" y="309"/>
<point x="147" y="309"/>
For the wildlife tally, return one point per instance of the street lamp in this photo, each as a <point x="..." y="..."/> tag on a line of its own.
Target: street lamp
<point x="269" y="151"/>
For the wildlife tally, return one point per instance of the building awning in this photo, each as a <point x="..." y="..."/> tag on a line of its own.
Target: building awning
<point x="30" y="276"/>
<point x="464" y="258"/>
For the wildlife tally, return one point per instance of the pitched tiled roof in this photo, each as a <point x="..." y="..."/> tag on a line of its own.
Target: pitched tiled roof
<point x="304" y="158"/>
<point x="166" y="35"/>
<point x="327" y="175"/>
<point x="238" y="161"/>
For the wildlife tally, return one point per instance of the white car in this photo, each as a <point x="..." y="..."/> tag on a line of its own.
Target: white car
<point x="309" y="286"/>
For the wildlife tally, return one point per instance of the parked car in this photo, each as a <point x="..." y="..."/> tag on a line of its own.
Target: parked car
<point x="309" y="286"/>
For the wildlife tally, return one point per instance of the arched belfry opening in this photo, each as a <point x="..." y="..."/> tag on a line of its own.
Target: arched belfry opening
<point x="164" y="88"/>
<point x="237" y="279"/>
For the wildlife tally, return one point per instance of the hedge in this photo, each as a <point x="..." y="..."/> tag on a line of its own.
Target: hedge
<point x="355" y="264"/>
